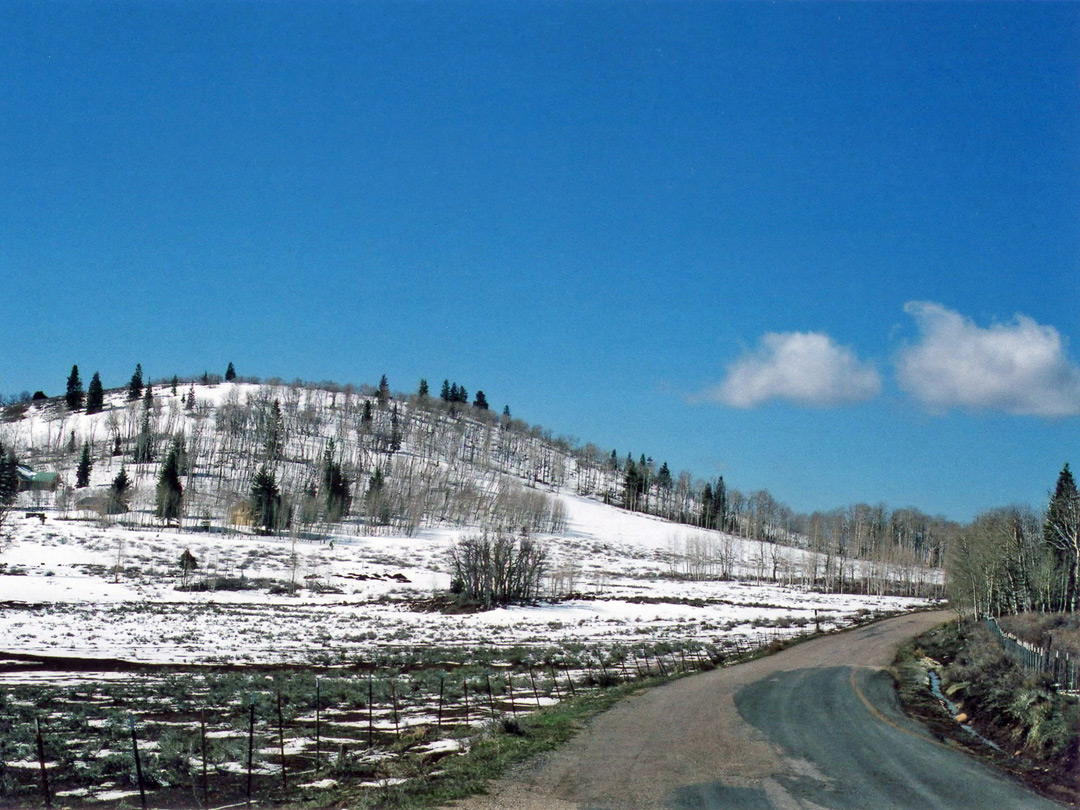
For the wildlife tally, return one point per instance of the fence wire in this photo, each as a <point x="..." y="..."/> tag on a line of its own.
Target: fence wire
<point x="1058" y="664"/>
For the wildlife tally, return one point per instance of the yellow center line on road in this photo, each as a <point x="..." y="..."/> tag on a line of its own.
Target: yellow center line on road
<point x="877" y="713"/>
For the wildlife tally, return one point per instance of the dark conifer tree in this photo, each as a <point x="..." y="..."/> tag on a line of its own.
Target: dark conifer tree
<point x="663" y="477"/>
<point x="174" y="384"/>
<point x="118" y="491"/>
<point x="480" y="401"/>
<point x="170" y="492"/>
<point x="135" y="387"/>
<point x="86" y="464"/>
<point x="230" y="373"/>
<point x="423" y="390"/>
<point x="395" y="431"/>
<point x="9" y="477"/>
<point x="1061" y="532"/>
<point x="335" y="486"/>
<point x="9" y="482"/>
<point x="75" y="396"/>
<point x="444" y="395"/>
<point x="367" y="416"/>
<point x="463" y="395"/>
<point x="454" y="394"/>
<point x="95" y="395"/>
<point x="708" y="516"/>
<point x="383" y="392"/>
<point x="720" y="504"/>
<point x="265" y="500"/>
<point x="190" y="403"/>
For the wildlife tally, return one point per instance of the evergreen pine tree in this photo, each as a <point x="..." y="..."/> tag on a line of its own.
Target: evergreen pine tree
<point x="720" y="504"/>
<point x="170" y="492"/>
<point x="175" y="382"/>
<point x="335" y="486"/>
<point x="95" y="395"/>
<point x="75" y="396"/>
<point x="190" y="403"/>
<point x="632" y="484"/>
<point x="367" y="416"/>
<point x="708" y="516"/>
<point x="9" y="477"/>
<point x="86" y="464"/>
<point x="265" y="500"/>
<point x="230" y="373"/>
<point x="480" y="401"/>
<point x="444" y="395"/>
<point x="663" y="477"/>
<point x="423" y="390"/>
<point x="384" y="392"/>
<point x="463" y="395"/>
<point x="135" y="387"/>
<point x="1061" y="532"/>
<point x="395" y="431"/>
<point x="9" y="483"/>
<point x="454" y="394"/>
<point x="118" y="491"/>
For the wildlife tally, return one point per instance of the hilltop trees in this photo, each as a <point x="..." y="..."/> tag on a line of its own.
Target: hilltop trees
<point x="230" y="373"/>
<point x="74" y="397"/>
<point x="95" y="395"/>
<point x="135" y="386"/>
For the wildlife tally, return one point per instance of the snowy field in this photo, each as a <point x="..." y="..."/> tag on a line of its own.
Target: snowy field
<point x="88" y="589"/>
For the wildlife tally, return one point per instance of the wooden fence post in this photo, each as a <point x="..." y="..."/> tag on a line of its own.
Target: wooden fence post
<point x="41" y="761"/>
<point x="491" y="696"/>
<point x="442" y="690"/>
<point x="318" y="725"/>
<point x="202" y="745"/>
<point x="251" y="744"/>
<point x="370" y="713"/>
<point x="138" y="764"/>
<point x="281" y="741"/>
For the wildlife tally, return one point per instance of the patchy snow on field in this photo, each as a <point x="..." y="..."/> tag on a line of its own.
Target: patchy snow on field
<point x="90" y="589"/>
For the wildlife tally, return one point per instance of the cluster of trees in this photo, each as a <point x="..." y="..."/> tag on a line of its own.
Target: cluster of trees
<point x="93" y="397"/>
<point x="497" y="568"/>
<point x="1012" y="560"/>
<point x="299" y="457"/>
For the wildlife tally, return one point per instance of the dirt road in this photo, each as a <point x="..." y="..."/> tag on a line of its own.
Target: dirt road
<point x="815" y="726"/>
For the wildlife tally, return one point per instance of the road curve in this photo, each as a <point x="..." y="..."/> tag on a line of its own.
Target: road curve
<point x="815" y="726"/>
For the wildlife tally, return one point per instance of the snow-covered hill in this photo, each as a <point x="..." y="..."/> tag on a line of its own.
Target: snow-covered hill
<point x="85" y="582"/>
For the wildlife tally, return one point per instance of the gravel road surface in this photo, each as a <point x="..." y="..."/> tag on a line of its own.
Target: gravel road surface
<point x="815" y="726"/>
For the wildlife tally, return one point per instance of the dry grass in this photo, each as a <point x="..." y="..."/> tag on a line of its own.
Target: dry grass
<point x="1060" y="631"/>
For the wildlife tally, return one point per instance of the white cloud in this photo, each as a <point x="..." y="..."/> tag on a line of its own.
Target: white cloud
<point x="807" y="368"/>
<point x="1019" y="368"/>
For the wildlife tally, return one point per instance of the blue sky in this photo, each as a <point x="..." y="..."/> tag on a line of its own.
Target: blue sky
<point x="828" y="250"/>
